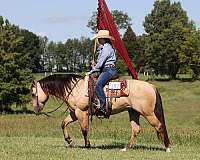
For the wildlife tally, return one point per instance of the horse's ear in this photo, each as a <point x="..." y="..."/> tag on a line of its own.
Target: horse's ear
<point x="34" y="83"/>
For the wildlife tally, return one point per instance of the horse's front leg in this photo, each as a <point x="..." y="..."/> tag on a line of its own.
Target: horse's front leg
<point x="69" y="119"/>
<point x="84" y="123"/>
<point x="135" y="128"/>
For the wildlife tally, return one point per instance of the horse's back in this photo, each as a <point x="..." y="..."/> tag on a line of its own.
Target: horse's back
<point x="138" y="84"/>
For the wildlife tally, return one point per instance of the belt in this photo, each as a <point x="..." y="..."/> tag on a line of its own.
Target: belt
<point x="109" y="66"/>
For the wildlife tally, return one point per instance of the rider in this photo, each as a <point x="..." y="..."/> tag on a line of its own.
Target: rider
<point x="105" y="65"/>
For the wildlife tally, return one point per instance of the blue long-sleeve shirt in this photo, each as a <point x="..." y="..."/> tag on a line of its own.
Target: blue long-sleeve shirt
<point x="106" y="56"/>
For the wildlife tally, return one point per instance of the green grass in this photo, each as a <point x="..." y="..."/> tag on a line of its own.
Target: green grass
<point x="26" y="136"/>
<point x="53" y="148"/>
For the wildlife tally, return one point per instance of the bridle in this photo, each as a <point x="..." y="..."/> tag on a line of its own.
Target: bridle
<point x="38" y="106"/>
<point x="64" y="101"/>
<point x="37" y="100"/>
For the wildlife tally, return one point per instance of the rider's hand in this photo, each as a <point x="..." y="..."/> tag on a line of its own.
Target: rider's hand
<point x="93" y="62"/>
<point x="89" y="73"/>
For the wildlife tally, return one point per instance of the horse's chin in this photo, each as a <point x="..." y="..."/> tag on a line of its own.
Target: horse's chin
<point x="37" y="109"/>
<point x="37" y="113"/>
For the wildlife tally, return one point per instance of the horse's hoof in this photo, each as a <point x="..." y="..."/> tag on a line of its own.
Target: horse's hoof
<point x="71" y="144"/>
<point x="124" y="149"/>
<point x="66" y="144"/>
<point x="168" y="150"/>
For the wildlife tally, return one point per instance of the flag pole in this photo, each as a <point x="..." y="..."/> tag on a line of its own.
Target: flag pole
<point x="95" y="48"/>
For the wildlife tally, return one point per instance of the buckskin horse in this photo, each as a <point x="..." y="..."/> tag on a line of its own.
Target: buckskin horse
<point x="143" y="99"/>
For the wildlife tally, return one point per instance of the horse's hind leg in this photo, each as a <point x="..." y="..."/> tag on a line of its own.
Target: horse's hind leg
<point x="152" y="119"/>
<point x="84" y="123"/>
<point x="135" y="127"/>
<point x="69" y="119"/>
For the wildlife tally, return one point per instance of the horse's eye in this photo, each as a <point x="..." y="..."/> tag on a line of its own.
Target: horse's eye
<point x="33" y="94"/>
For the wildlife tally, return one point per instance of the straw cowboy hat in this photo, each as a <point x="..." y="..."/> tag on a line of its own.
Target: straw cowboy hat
<point x="103" y="34"/>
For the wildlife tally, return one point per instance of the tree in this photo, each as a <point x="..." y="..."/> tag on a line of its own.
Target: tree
<point x="121" y="67"/>
<point x="195" y="57"/>
<point x="31" y="48"/>
<point x="43" y="43"/>
<point x="60" y="52"/>
<point x="132" y="46"/>
<point x="121" y="19"/>
<point x="49" y="57"/>
<point x="14" y="77"/>
<point x="1" y="21"/>
<point x="166" y="28"/>
<point x="73" y="47"/>
<point x="190" y="52"/>
<point x="142" y="60"/>
<point x="86" y="53"/>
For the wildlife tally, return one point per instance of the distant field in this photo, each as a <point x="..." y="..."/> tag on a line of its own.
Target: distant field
<point x="26" y="136"/>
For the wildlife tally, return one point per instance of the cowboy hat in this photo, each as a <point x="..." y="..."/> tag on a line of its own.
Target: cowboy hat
<point x="103" y="34"/>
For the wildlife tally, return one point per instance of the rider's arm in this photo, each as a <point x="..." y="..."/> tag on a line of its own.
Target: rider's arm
<point x="103" y="56"/>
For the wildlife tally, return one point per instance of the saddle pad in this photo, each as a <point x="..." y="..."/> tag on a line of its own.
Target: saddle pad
<point x="116" y="89"/>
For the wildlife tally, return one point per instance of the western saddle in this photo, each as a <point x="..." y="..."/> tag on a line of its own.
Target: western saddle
<point x="114" y="89"/>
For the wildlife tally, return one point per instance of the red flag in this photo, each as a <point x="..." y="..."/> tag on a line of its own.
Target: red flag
<point x="105" y="21"/>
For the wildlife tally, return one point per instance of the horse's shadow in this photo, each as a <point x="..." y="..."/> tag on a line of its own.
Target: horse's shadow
<point x="122" y="145"/>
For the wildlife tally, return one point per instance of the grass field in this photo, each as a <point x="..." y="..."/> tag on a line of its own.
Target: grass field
<point x="26" y="136"/>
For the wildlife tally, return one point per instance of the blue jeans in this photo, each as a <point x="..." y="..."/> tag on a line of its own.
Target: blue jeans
<point x="106" y="75"/>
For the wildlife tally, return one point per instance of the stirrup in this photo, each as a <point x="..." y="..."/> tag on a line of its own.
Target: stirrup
<point x="101" y="114"/>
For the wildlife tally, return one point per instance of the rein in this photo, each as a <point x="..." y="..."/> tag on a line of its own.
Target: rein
<point x="64" y="101"/>
<point x="49" y="112"/>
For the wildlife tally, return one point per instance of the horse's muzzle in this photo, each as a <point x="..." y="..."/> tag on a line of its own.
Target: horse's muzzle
<point x="37" y="110"/>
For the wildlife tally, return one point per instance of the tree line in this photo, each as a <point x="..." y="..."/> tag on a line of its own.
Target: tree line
<point x="71" y="56"/>
<point x="170" y="45"/>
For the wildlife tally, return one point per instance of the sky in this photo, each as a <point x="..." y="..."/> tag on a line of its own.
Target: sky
<point x="63" y="19"/>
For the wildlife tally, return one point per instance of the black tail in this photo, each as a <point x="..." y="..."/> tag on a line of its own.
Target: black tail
<point x="160" y="115"/>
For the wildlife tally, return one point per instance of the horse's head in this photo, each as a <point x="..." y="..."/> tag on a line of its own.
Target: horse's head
<point x="39" y="97"/>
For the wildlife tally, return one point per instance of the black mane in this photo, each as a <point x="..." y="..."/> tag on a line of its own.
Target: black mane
<point x="58" y="84"/>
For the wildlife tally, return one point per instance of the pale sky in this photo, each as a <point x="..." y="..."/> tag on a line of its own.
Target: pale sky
<point x="63" y="19"/>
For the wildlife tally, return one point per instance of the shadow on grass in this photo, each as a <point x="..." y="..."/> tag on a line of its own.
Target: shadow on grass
<point x="122" y="145"/>
<point x="145" y="147"/>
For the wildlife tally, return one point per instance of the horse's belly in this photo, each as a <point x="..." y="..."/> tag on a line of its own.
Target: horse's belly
<point x="120" y="103"/>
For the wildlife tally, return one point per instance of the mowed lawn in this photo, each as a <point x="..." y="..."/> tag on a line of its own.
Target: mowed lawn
<point x="27" y="136"/>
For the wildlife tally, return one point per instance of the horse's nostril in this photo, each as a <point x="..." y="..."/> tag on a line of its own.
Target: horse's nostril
<point x="36" y="109"/>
